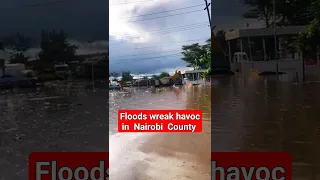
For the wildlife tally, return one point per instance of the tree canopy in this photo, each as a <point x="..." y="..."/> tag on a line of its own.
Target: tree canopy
<point x="114" y="74"/>
<point x="164" y="74"/>
<point x="197" y="56"/>
<point x="126" y="76"/>
<point x="56" y="48"/>
<point x="16" y="45"/>
<point x="288" y="12"/>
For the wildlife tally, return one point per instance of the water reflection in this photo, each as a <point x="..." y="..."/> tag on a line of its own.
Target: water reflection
<point x="60" y="117"/>
<point x="183" y="155"/>
<point x="266" y="115"/>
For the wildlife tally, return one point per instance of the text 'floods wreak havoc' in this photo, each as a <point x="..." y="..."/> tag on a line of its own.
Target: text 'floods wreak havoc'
<point x="169" y="116"/>
<point x="160" y="121"/>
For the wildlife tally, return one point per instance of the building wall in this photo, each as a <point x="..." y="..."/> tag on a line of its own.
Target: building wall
<point x="286" y="66"/>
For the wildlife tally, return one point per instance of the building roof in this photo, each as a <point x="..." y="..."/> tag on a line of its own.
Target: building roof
<point x="194" y="71"/>
<point x="240" y="33"/>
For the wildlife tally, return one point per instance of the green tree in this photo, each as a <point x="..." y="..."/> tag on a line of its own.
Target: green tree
<point x="292" y="12"/>
<point x="17" y="45"/>
<point x="198" y="56"/>
<point x="155" y="77"/>
<point x="164" y="74"/>
<point x="56" y="48"/>
<point x="309" y="40"/>
<point x="288" y="12"/>
<point x="126" y="76"/>
<point x="194" y="52"/>
<point x="259" y="9"/>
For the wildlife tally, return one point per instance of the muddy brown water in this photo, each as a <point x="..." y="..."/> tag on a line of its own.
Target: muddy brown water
<point x="261" y="114"/>
<point x="246" y="114"/>
<point x="160" y="155"/>
<point x="60" y="117"/>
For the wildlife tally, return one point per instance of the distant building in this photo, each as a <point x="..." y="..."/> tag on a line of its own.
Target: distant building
<point x="260" y="50"/>
<point x="88" y="58"/>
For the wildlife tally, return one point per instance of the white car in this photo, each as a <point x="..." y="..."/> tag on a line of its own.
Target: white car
<point x="114" y="86"/>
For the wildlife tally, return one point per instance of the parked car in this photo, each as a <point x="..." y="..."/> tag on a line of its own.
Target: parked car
<point x="31" y="74"/>
<point x="17" y="80"/>
<point x="113" y="85"/>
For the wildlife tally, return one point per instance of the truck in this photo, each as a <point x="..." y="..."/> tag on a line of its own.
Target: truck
<point x="62" y="70"/>
<point x="12" y="68"/>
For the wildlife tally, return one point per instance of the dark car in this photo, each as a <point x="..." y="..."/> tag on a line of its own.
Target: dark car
<point x="17" y="80"/>
<point x="30" y="74"/>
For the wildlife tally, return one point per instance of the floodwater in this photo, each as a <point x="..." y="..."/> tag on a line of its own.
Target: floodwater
<point x="61" y="117"/>
<point x="156" y="156"/>
<point x="248" y="114"/>
<point x="258" y="114"/>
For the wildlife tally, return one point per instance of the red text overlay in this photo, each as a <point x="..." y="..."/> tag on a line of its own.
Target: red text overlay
<point x="69" y="166"/>
<point x="160" y="120"/>
<point x="251" y="166"/>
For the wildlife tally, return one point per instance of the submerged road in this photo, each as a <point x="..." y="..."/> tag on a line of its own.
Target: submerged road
<point x="69" y="117"/>
<point x="156" y="156"/>
<point x="248" y="114"/>
<point x="61" y="117"/>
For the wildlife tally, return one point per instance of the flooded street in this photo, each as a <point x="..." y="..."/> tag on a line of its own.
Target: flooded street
<point x="259" y="114"/>
<point x="156" y="156"/>
<point x="58" y="118"/>
<point x="248" y="114"/>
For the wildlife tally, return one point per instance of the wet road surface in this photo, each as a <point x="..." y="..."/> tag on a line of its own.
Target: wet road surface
<point x="248" y="114"/>
<point x="157" y="156"/>
<point x="58" y="118"/>
<point x="259" y="114"/>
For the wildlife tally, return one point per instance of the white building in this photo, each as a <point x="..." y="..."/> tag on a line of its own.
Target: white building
<point x="258" y="45"/>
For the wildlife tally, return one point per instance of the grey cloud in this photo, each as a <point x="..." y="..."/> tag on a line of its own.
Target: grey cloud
<point x="148" y="66"/>
<point x="155" y="65"/>
<point x="81" y="19"/>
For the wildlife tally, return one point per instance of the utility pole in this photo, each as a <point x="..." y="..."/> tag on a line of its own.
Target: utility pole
<point x="207" y="8"/>
<point x="275" y="38"/>
<point x="92" y="71"/>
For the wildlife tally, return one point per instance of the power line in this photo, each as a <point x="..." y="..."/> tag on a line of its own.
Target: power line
<point x="188" y="7"/>
<point x="170" y="46"/>
<point x="129" y="2"/>
<point x="146" y="47"/>
<point x="130" y="55"/>
<point x="159" y="46"/>
<point x="160" y="42"/>
<point x="170" y="28"/>
<point x="165" y="16"/>
<point x="144" y="54"/>
<point x="176" y="27"/>
<point x="159" y="53"/>
<point x="161" y="33"/>
<point x="130" y="60"/>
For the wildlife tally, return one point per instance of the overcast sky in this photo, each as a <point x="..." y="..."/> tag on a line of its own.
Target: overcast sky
<point x="136" y="43"/>
<point x="83" y="20"/>
<point x="140" y="46"/>
<point x="150" y="46"/>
